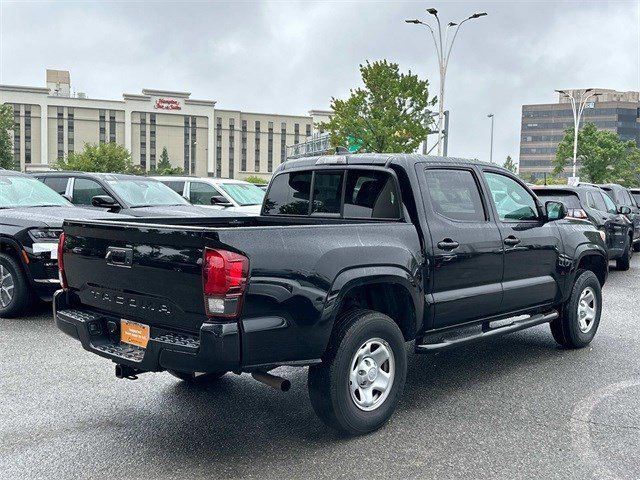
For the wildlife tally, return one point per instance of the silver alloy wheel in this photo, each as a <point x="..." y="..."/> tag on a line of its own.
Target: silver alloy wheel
<point x="372" y="373"/>
<point x="7" y="286"/>
<point x="587" y="307"/>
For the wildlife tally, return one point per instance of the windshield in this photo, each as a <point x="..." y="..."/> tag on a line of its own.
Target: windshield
<point x="570" y="200"/>
<point x="145" y="193"/>
<point x="244" y="193"/>
<point x="27" y="192"/>
<point x="636" y="197"/>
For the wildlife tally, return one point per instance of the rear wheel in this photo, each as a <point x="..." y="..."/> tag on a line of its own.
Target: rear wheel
<point x="580" y="315"/>
<point x="200" y="379"/>
<point x="15" y="292"/>
<point x="358" y="384"/>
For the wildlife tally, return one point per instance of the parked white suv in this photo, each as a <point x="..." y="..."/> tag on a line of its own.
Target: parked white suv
<point x="218" y="193"/>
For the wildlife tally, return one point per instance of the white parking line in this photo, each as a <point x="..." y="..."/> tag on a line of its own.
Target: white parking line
<point x="580" y="431"/>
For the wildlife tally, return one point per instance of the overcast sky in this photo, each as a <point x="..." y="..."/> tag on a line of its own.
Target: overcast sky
<point x="290" y="57"/>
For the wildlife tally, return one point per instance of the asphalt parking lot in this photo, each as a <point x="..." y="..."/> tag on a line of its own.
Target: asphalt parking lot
<point x="518" y="407"/>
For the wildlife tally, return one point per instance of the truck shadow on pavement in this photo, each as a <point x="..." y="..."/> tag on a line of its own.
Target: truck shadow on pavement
<point x="237" y="417"/>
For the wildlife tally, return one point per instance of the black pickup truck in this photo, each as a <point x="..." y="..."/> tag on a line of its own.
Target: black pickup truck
<point x="351" y="257"/>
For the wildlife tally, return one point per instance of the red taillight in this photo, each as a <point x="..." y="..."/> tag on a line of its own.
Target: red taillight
<point x="224" y="279"/>
<point x="61" y="275"/>
<point x="577" y="213"/>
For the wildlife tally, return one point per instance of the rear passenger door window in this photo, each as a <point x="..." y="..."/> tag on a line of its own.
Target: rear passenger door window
<point x="176" y="186"/>
<point x="327" y="193"/>
<point x="288" y="194"/>
<point x="84" y="189"/>
<point x="371" y="194"/>
<point x="59" y="184"/>
<point x="454" y="195"/>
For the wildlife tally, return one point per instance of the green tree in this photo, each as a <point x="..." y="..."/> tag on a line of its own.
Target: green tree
<point x="6" y="145"/>
<point x="103" y="157"/>
<point x="630" y="176"/>
<point x="255" y="179"/>
<point x="510" y="165"/>
<point x="390" y="114"/>
<point x="602" y="155"/>
<point x="164" y="165"/>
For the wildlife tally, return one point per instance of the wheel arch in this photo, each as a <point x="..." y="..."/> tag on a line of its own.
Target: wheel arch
<point x="390" y="290"/>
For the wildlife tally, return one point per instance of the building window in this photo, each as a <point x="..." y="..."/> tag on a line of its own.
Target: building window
<point x="308" y="131"/>
<point x="243" y="152"/>
<point x="187" y="123"/>
<point x="193" y="145"/>
<point x="152" y="141"/>
<point x="257" y="149"/>
<point x="296" y="133"/>
<point x="102" y="124"/>
<point x="270" y="148"/>
<point x="218" y="147"/>
<point x="16" y="136"/>
<point x="232" y="132"/>
<point x="112" y="126"/>
<point x="70" y="130"/>
<point x="27" y="134"/>
<point x="143" y="140"/>
<point x="60" y="132"/>
<point x="283" y="142"/>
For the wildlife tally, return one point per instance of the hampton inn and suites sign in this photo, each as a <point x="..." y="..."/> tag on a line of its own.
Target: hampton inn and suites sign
<point x="167" y="104"/>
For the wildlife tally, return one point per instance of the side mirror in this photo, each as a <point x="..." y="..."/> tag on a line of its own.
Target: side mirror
<point x="104" y="201"/>
<point x="624" y="210"/>
<point x="220" y="201"/>
<point x="555" y="210"/>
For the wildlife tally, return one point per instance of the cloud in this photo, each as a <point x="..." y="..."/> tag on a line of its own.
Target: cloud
<point x="289" y="57"/>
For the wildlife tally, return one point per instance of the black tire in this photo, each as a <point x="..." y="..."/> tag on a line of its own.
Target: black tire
<point x="624" y="262"/>
<point x="193" y="379"/>
<point x="566" y="329"/>
<point x="21" y="291"/>
<point x="329" y="382"/>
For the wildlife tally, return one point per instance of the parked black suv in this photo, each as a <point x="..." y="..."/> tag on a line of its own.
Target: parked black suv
<point x="352" y="257"/>
<point x="129" y="194"/>
<point x="622" y="197"/>
<point x="31" y="216"/>
<point x="593" y="204"/>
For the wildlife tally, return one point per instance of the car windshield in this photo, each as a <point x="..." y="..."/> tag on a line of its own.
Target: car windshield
<point x="145" y="193"/>
<point x="636" y="197"/>
<point x="17" y="191"/>
<point x="570" y="200"/>
<point x="244" y="193"/>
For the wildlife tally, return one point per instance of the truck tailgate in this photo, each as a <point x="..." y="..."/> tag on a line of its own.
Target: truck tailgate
<point x="141" y="272"/>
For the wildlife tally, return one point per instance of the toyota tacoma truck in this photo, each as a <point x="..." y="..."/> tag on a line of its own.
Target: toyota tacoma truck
<point x="351" y="257"/>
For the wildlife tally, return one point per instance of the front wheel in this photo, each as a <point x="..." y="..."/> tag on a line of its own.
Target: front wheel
<point x="580" y="315"/>
<point x="358" y="384"/>
<point x="15" y="293"/>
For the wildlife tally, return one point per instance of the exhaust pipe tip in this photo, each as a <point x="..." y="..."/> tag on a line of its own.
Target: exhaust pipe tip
<point x="272" y="381"/>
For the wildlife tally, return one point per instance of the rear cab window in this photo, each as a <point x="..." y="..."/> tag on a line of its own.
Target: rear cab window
<point x="350" y="193"/>
<point x="175" y="185"/>
<point x="58" y="184"/>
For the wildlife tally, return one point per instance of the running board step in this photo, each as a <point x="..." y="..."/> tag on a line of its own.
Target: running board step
<point x="454" y="338"/>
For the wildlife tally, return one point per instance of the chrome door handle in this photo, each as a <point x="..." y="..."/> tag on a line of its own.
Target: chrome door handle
<point x="448" y="244"/>
<point x="511" y="240"/>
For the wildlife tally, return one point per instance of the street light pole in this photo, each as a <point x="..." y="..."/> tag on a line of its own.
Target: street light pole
<point x="443" y="52"/>
<point x="491" y="116"/>
<point x="578" y="104"/>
